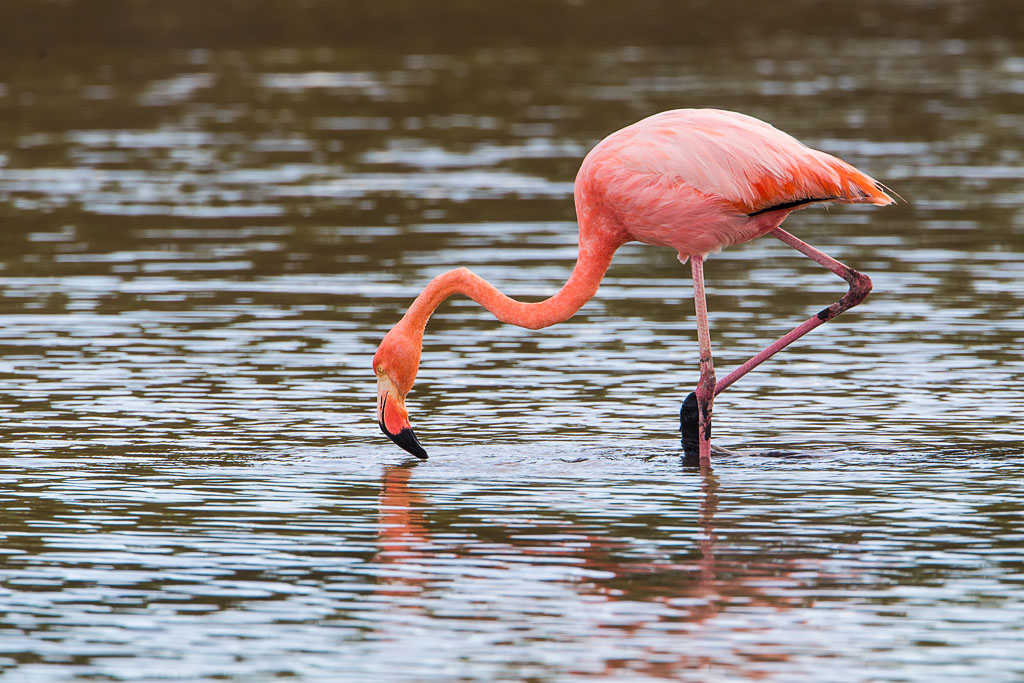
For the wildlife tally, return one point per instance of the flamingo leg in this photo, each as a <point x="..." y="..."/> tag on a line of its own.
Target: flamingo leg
<point x="860" y="286"/>
<point x="698" y="404"/>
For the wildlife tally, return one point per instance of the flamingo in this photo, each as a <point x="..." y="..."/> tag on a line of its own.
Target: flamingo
<point x="695" y="180"/>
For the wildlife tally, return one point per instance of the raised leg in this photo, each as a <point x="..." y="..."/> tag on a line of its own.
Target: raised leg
<point x="860" y="286"/>
<point x="696" y="412"/>
<point x="695" y="415"/>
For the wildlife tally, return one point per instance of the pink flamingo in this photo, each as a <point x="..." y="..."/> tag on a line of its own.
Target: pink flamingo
<point x="695" y="180"/>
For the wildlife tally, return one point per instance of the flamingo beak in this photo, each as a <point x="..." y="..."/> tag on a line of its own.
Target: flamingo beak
<point x="393" y="418"/>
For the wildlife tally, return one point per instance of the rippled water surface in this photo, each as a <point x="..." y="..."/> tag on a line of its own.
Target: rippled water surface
<point x="209" y="220"/>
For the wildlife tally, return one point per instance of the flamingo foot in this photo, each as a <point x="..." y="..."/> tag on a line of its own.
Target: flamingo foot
<point x="689" y="425"/>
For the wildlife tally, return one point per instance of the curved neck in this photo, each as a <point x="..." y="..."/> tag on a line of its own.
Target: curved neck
<point x="594" y="258"/>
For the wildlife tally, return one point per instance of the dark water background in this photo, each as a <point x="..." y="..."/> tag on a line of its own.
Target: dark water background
<point x="210" y="213"/>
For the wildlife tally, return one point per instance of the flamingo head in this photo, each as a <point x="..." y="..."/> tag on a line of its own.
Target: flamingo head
<point x="395" y="364"/>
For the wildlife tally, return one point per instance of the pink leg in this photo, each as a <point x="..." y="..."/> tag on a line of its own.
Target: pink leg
<point x="705" y="392"/>
<point x="860" y="286"/>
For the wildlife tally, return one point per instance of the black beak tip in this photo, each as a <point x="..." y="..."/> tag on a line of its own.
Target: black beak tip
<point x="407" y="441"/>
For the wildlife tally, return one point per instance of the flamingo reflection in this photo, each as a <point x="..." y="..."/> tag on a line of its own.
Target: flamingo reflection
<point x="401" y="532"/>
<point x="627" y="588"/>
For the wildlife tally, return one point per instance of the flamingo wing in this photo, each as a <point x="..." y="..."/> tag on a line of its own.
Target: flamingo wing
<point x="748" y="163"/>
<point x="694" y="178"/>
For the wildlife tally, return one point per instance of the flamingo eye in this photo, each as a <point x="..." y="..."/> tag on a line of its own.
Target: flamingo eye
<point x="380" y="369"/>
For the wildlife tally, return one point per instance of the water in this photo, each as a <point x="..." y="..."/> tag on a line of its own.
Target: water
<point x="209" y="223"/>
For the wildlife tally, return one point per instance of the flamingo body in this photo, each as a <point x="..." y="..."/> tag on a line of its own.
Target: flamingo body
<point x="695" y="180"/>
<point x="700" y="180"/>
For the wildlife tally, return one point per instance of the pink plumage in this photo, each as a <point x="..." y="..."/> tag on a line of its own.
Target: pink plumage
<point x="700" y="180"/>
